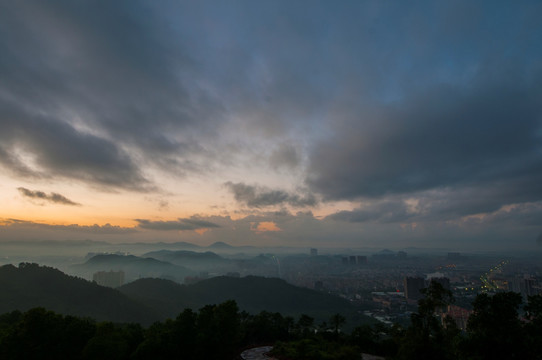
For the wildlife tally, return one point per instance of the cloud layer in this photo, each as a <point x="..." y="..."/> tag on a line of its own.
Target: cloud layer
<point x="95" y="229"/>
<point x="258" y="196"/>
<point x="179" y="224"/>
<point x="375" y="117"/>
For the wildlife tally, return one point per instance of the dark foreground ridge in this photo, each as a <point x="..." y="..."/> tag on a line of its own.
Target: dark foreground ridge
<point x="252" y="294"/>
<point x="30" y="285"/>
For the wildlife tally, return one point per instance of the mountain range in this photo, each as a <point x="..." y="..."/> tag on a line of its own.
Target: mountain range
<point x="134" y="267"/>
<point x="148" y="300"/>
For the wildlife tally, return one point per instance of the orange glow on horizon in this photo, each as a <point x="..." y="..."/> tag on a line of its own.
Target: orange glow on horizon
<point x="265" y="226"/>
<point x="201" y="231"/>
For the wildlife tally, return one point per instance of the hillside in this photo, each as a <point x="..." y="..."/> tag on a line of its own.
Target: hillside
<point x="31" y="285"/>
<point x="134" y="267"/>
<point x="213" y="263"/>
<point x="148" y="300"/>
<point x="207" y="260"/>
<point x="252" y="294"/>
<point x="180" y="255"/>
<point x="255" y="294"/>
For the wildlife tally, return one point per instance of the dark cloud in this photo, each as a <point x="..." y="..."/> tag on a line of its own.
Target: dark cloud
<point x="52" y="197"/>
<point x="179" y="224"/>
<point x="87" y="95"/>
<point x="466" y="205"/>
<point x="59" y="150"/>
<point x="385" y="212"/>
<point x="150" y="86"/>
<point x="257" y="196"/>
<point x="285" y="156"/>
<point x="486" y="138"/>
<point x="453" y="120"/>
<point x="526" y="215"/>
<point x="16" y="166"/>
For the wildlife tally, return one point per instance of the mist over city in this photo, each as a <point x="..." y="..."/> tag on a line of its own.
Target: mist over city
<point x="293" y="179"/>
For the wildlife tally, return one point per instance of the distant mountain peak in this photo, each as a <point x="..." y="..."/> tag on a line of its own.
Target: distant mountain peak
<point x="110" y="257"/>
<point x="221" y="244"/>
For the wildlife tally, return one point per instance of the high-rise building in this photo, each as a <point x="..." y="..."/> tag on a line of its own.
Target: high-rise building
<point x="362" y="260"/>
<point x="111" y="278"/>
<point x="530" y="287"/>
<point x="413" y="285"/>
<point x="454" y="256"/>
<point x="354" y="260"/>
<point x="314" y="252"/>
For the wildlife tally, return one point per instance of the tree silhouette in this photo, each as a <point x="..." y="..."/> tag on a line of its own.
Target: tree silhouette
<point x="336" y="322"/>
<point x="426" y="337"/>
<point x="533" y="313"/>
<point x="494" y="329"/>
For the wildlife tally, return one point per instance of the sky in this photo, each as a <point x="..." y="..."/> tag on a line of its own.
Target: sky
<point x="383" y="124"/>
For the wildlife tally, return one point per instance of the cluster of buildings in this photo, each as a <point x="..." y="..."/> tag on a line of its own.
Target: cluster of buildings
<point x="354" y="260"/>
<point x="526" y="285"/>
<point x="388" y="284"/>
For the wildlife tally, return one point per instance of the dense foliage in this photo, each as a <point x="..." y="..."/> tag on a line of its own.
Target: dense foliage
<point x="214" y="332"/>
<point x="495" y="329"/>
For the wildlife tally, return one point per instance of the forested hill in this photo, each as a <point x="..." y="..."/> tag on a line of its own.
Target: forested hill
<point x="148" y="300"/>
<point x="134" y="267"/>
<point x="206" y="261"/>
<point x="252" y="294"/>
<point x="31" y="285"/>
